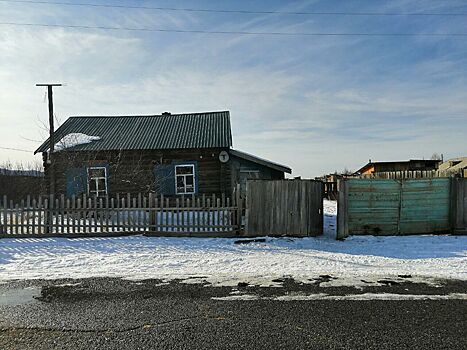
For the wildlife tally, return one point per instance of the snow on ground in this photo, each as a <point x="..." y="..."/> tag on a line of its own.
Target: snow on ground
<point x="219" y="260"/>
<point x="364" y="296"/>
<point x="74" y="139"/>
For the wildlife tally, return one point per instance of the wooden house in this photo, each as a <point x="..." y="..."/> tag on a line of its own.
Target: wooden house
<point x="395" y="166"/>
<point x="170" y="154"/>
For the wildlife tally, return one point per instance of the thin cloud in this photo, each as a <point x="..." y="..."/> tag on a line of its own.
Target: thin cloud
<point x="315" y="104"/>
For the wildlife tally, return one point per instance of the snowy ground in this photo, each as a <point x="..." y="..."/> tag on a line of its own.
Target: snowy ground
<point x="221" y="261"/>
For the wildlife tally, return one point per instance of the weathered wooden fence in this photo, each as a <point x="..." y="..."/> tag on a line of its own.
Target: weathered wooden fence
<point x="459" y="205"/>
<point x="412" y="174"/>
<point x="395" y="206"/>
<point x="82" y="216"/>
<point x="284" y="207"/>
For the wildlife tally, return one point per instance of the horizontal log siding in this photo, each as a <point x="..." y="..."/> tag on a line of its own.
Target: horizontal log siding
<point x="133" y="171"/>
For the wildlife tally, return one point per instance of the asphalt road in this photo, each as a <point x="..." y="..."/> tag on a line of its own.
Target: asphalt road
<point x="118" y="314"/>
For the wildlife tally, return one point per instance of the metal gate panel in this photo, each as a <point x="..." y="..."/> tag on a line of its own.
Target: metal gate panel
<point x="459" y="205"/>
<point x="461" y="209"/>
<point x="373" y="206"/>
<point x="284" y="207"/>
<point x="394" y="206"/>
<point x="425" y="206"/>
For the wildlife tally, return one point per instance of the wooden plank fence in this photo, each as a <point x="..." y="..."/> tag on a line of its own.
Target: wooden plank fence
<point x="124" y="214"/>
<point x="284" y="207"/>
<point x="412" y="174"/>
<point x="459" y="205"/>
<point x="402" y="206"/>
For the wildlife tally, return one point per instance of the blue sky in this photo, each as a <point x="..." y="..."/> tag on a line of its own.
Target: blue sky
<point x="317" y="104"/>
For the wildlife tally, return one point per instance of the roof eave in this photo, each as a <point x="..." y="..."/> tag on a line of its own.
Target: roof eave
<point x="261" y="161"/>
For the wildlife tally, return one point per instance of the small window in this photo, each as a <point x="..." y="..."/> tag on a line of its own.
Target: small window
<point x="184" y="179"/>
<point x="97" y="181"/>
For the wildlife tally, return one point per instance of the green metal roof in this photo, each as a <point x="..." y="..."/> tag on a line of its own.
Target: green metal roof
<point x="262" y="161"/>
<point x="166" y="131"/>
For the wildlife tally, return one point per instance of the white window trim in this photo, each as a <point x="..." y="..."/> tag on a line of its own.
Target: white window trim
<point x="194" y="178"/>
<point x="97" y="184"/>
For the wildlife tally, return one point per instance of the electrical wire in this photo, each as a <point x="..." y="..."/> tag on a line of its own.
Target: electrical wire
<point x="234" y="32"/>
<point x="324" y="13"/>
<point x="15" y="149"/>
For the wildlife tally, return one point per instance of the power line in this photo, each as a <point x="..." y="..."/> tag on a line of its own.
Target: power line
<point x="239" y="11"/>
<point x="15" y="149"/>
<point x="233" y="32"/>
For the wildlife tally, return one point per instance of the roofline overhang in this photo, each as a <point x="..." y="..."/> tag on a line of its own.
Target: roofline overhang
<point x="261" y="161"/>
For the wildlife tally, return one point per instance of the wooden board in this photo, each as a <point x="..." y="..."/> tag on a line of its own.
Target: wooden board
<point x="459" y="205"/>
<point x="83" y="216"/>
<point x="284" y="207"/>
<point x="394" y="206"/>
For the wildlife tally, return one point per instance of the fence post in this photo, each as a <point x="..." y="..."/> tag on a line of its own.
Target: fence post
<point x="33" y="211"/>
<point x="3" y="228"/>
<point x="49" y="222"/>
<point x="39" y="216"/>
<point x="342" y="210"/>
<point x="152" y="216"/>
<point x="28" y="213"/>
<point x="239" y="202"/>
<point x="454" y="206"/>
<point x="47" y="215"/>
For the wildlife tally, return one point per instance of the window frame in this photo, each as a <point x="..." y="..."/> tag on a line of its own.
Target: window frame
<point x="96" y="179"/>
<point x="192" y="166"/>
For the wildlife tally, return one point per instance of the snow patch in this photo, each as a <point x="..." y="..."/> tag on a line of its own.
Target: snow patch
<point x="221" y="262"/>
<point x="225" y="263"/>
<point x="364" y="296"/>
<point x="74" y="139"/>
<point x="238" y="297"/>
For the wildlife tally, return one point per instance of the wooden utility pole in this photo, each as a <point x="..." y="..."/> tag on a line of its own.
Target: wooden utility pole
<point x="51" y="136"/>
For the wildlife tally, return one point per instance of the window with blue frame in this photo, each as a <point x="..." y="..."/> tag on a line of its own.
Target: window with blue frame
<point x="178" y="178"/>
<point x="185" y="179"/>
<point x="97" y="181"/>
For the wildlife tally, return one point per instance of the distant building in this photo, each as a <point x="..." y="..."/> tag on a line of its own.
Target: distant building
<point x="407" y="165"/>
<point x="455" y="166"/>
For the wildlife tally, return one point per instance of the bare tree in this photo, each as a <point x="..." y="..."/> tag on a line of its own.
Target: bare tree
<point x="344" y="172"/>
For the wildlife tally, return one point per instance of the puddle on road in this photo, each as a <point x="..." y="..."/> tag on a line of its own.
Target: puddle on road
<point x="19" y="296"/>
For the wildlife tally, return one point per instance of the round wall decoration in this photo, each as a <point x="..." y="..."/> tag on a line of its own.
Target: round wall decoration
<point x="224" y="157"/>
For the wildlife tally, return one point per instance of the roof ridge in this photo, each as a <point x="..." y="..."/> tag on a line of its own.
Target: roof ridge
<point x="147" y="115"/>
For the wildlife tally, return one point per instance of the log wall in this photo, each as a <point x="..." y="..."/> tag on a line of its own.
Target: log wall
<point x="133" y="171"/>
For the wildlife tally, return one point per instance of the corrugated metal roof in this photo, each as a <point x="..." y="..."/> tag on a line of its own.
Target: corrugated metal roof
<point x="261" y="161"/>
<point x="166" y="131"/>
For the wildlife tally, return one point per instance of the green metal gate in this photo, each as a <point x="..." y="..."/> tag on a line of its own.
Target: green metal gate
<point x="394" y="206"/>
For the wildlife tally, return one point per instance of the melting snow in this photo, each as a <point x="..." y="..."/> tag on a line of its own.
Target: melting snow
<point x="74" y="139"/>
<point x="221" y="261"/>
<point x="364" y="296"/>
